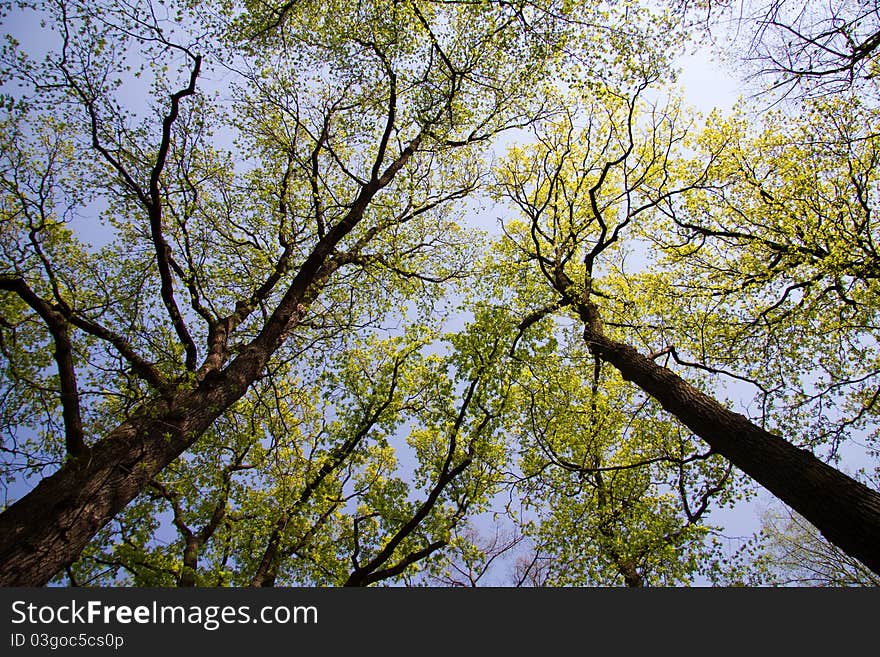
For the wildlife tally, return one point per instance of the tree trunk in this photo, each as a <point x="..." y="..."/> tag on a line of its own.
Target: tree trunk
<point x="190" y="566"/>
<point x="844" y="510"/>
<point x="48" y="528"/>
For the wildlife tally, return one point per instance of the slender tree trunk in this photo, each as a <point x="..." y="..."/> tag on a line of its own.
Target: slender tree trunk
<point x="844" y="510"/>
<point x="190" y="564"/>
<point x="630" y="574"/>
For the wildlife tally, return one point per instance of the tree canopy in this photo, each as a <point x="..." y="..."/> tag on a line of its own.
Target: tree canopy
<point x="260" y="327"/>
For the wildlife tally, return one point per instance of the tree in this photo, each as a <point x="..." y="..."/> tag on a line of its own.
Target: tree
<point x="209" y="272"/>
<point x="797" y="555"/>
<point x="578" y="195"/>
<point x="604" y="489"/>
<point x="222" y="273"/>
<point x="802" y="48"/>
<point x="322" y="500"/>
<point x="620" y="492"/>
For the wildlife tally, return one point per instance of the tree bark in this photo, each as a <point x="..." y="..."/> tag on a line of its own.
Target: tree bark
<point x="48" y="528"/>
<point x="846" y="511"/>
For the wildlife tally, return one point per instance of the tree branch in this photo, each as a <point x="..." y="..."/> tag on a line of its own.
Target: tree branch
<point x="74" y="437"/>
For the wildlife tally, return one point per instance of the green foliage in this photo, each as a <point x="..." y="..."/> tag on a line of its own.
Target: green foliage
<point x="778" y="241"/>
<point x="187" y="184"/>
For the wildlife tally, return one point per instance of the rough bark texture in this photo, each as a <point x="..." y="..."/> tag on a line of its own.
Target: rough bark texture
<point x="48" y="528"/>
<point x="844" y="510"/>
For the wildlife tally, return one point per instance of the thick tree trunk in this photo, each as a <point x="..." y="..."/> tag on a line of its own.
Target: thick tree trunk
<point x="47" y="529"/>
<point x="844" y="510"/>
